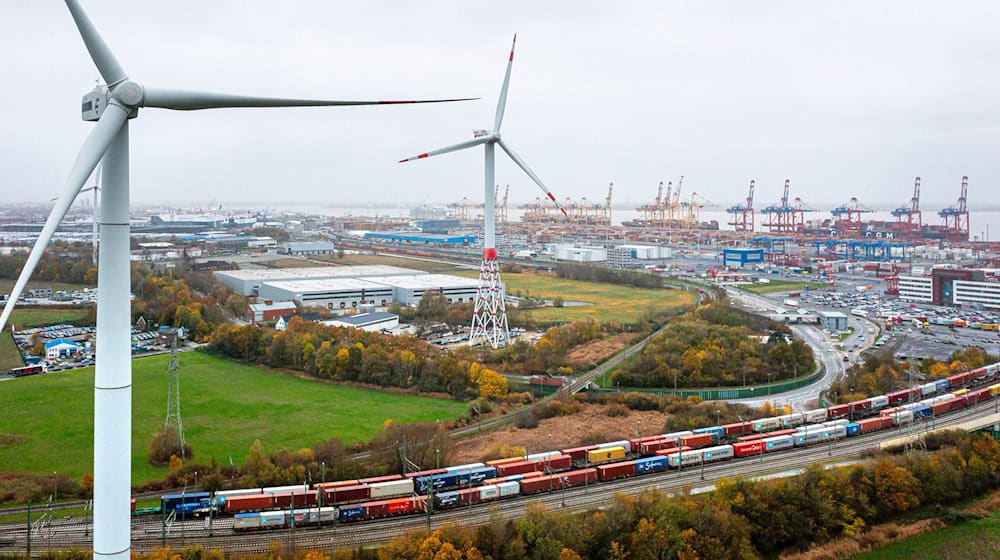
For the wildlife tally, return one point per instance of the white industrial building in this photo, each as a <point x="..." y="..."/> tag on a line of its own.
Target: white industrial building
<point x="971" y="293"/>
<point x="408" y="290"/>
<point x="581" y="254"/>
<point x="303" y="248"/>
<point x="334" y="294"/>
<point x="247" y="282"/>
<point x="627" y="256"/>
<point x="371" y="322"/>
<point x="916" y="288"/>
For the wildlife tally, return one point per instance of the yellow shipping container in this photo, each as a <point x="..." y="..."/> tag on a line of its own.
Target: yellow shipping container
<point x="995" y="389"/>
<point x="608" y="454"/>
<point x="960" y="392"/>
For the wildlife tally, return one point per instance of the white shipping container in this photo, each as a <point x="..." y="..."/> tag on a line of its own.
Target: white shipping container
<point x="793" y="419"/>
<point x="286" y="489"/>
<point x="489" y="492"/>
<point x="674" y="435"/>
<point x="880" y="401"/>
<point x="685" y="458"/>
<point x="463" y="468"/>
<point x="272" y="518"/>
<point x="817" y="415"/>
<point x="928" y="389"/>
<point x="902" y="417"/>
<point x="838" y="422"/>
<point x="777" y="443"/>
<point x="765" y="424"/>
<point x="251" y="521"/>
<point x="717" y="453"/>
<point x="509" y="489"/>
<point x="392" y="488"/>
<point x="545" y="455"/>
<point x="623" y="443"/>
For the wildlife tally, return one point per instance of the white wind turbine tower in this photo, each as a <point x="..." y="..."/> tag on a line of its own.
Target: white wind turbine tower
<point x="112" y="106"/>
<point x="489" y="320"/>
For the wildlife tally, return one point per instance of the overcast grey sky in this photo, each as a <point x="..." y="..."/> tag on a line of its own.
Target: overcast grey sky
<point x="843" y="98"/>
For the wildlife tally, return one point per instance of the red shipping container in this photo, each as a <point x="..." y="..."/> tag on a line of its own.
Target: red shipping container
<point x="377" y="479"/>
<point x="636" y="442"/>
<point x="745" y="448"/>
<point x="874" y="424"/>
<point x="776" y="433"/>
<point x="838" y="411"/>
<point x="253" y="502"/>
<point x="738" y="428"/>
<point x="647" y="448"/>
<point x="616" y="470"/>
<point x="669" y="452"/>
<point x="697" y="440"/>
<point x="376" y="509"/>
<point x="891" y="411"/>
<point x="425" y="473"/>
<point x="468" y="496"/>
<point x="519" y="467"/>
<point x="860" y="405"/>
<point x="978" y="396"/>
<point x="556" y="481"/>
<point x="578" y="453"/>
<point x="343" y="494"/>
<point x="534" y="474"/>
<point x="398" y="506"/>
<point x="898" y="396"/>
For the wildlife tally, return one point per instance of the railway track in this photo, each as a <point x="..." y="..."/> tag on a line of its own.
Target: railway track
<point x="149" y="533"/>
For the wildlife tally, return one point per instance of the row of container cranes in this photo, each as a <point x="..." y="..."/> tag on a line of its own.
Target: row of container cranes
<point x="787" y="216"/>
<point x="672" y="210"/>
<point x="582" y="211"/>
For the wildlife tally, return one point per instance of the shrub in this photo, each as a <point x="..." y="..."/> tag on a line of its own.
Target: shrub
<point x="616" y="410"/>
<point x="527" y="421"/>
<point x="165" y="444"/>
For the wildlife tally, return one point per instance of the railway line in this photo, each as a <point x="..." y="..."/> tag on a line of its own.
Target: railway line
<point x="149" y="533"/>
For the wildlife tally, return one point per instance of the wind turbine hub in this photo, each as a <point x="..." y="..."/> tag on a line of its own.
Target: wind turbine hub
<point x="128" y="93"/>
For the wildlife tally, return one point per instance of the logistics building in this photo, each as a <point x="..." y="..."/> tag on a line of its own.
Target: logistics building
<point x="949" y="286"/>
<point x="833" y="321"/>
<point x="408" y="290"/>
<point x="247" y="282"/>
<point x="334" y="293"/>
<point x="372" y="322"/>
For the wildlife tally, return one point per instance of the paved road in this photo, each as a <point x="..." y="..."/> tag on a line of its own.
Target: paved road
<point x="827" y="355"/>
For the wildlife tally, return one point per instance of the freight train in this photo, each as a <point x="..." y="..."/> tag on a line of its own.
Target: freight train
<point x="449" y="487"/>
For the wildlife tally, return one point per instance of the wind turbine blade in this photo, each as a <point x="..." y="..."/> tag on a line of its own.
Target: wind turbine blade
<point x="183" y="100"/>
<point x="520" y="163"/>
<point x="100" y="53"/>
<point x="502" y="103"/>
<point x="90" y="153"/>
<point x="455" y="148"/>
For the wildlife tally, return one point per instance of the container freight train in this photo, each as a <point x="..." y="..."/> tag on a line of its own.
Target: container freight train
<point x="465" y="485"/>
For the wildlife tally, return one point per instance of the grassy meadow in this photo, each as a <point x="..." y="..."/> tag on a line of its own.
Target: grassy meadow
<point x="225" y="407"/>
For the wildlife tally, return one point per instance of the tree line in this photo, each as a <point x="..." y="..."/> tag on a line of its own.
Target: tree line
<point x="591" y="273"/>
<point x="717" y="345"/>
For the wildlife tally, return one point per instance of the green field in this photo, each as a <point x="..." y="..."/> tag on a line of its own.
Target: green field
<point x="775" y="286"/>
<point x="225" y="406"/>
<point x="23" y="318"/>
<point x="971" y="540"/>
<point x="7" y="285"/>
<point x="10" y="356"/>
<point x="402" y="262"/>
<point x="606" y="302"/>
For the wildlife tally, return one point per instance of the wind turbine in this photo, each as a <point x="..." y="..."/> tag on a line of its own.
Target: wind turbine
<point x="489" y="320"/>
<point x="112" y="106"/>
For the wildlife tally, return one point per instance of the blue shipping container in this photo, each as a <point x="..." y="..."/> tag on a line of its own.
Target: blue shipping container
<point x="923" y="411"/>
<point x="717" y="432"/>
<point x="650" y="464"/>
<point x="170" y="502"/>
<point x="352" y="513"/>
<point x="451" y="480"/>
<point x="446" y="500"/>
<point x="941" y="384"/>
<point x="853" y="429"/>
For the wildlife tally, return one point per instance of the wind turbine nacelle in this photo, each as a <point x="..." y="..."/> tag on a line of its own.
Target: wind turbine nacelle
<point x="94" y="103"/>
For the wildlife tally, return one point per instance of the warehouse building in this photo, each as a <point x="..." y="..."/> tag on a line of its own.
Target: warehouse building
<point x="950" y="286"/>
<point x="306" y="248"/>
<point x="632" y="256"/>
<point x="408" y="290"/>
<point x="372" y="322"/>
<point x="247" y="282"/>
<point x="270" y="310"/>
<point x="333" y="294"/>
<point x="581" y="254"/>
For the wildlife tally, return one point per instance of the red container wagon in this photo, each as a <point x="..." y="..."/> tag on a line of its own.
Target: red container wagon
<point x="858" y="406"/>
<point x="747" y="448"/>
<point x="301" y="499"/>
<point x="253" y="502"/>
<point x="429" y="472"/>
<point x="776" y="433"/>
<point x="469" y="496"/>
<point x="697" y="440"/>
<point x="344" y="494"/>
<point x="891" y="411"/>
<point x="616" y="470"/>
<point x="400" y="506"/>
<point x="738" y="428"/>
<point x="374" y="510"/>
<point x="377" y="479"/>
<point x="944" y="407"/>
<point x="557" y="463"/>
<point x="906" y="395"/>
<point x="672" y="451"/>
<point x="977" y="396"/>
<point x="959" y="379"/>
<point x="579" y="453"/>
<point x="648" y="448"/>
<point x="556" y="481"/>
<point x="875" y="424"/>
<point x="839" y="410"/>
<point x="637" y="442"/>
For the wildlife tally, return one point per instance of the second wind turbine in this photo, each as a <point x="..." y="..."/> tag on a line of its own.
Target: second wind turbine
<point x="489" y="320"/>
